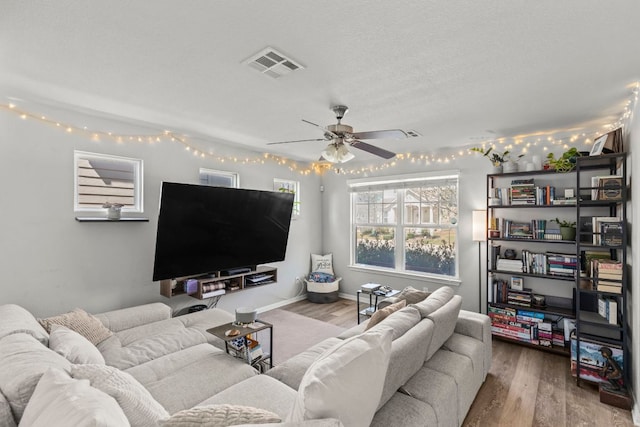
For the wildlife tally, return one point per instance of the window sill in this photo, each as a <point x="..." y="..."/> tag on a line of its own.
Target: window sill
<point x="103" y="219"/>
<point x="454" y="281"/>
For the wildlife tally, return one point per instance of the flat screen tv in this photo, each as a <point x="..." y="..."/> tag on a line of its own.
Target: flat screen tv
<point x="202" y="229"/>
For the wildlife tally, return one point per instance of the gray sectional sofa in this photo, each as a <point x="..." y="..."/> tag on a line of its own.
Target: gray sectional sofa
<point x="438" y="357"/>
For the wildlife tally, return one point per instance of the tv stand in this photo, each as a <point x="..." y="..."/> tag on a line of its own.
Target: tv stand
<point x="217" y="283"/>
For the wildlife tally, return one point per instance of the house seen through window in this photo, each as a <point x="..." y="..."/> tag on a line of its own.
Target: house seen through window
<point x="406" y="224"/>
<point x="102" y="179"/>
<point x="219" y="178"/>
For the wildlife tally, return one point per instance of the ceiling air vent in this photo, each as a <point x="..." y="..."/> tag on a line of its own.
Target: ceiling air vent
<point x="412" y="133"/>
<point x="272" y="63"/>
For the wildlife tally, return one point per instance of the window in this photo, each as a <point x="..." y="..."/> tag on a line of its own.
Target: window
<point x="293" y="187"/>
<point x="219" y="178"/>
<point x="101" y="178"/>
<point x="406" y="224"/>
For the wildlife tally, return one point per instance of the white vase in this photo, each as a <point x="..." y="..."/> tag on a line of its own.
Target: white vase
<point x="497" y="168"/>
<point x="510" y="167"/>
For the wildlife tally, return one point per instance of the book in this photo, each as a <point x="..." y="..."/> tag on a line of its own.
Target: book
<point x="609" y="288"/>
<point x="611" y="233"/>
<point x="591" y="359"/>
<point x="596" y="223"/>
<point x="610" y="188"/>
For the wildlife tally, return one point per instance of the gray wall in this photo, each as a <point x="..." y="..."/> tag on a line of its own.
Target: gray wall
<point x="51" y="263"/>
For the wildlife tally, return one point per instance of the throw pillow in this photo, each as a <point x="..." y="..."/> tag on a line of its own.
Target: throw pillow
<point x="220" y="416"/>
<point x="59" y="400"/>
<point x="346" y="381"/>
<point x="137" y="403"/>
<point x="412" y="295"/>
<point x="318" y="277"/>
<point x="80" y="321"/>
<point x="383" y="313"/>
<point x="73" y="346"/>
<point x="322" y="263"/>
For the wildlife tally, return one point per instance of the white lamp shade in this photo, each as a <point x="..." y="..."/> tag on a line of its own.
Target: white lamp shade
<point x="479" y="224"/>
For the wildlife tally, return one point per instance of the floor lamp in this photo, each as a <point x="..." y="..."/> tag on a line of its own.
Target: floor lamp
<point x="479" y="233"/>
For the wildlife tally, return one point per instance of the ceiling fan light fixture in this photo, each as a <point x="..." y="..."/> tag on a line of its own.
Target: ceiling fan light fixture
<point x="337" y="153"/>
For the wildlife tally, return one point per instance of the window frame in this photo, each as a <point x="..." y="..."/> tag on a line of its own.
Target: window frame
<point x="138" y="183"/>
<point x="400" y="183"/>
<point x="278" y="183"/>
<point x="235" y="176"/>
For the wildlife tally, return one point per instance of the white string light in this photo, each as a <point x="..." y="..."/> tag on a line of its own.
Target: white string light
<point x="547" y="143"/>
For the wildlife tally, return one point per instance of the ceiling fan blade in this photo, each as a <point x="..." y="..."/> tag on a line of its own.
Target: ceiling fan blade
<point x="325" y="130"/>
<point x="372" y="149"/>
<point x="297" y="140"/>
<point x="381" y="134"/>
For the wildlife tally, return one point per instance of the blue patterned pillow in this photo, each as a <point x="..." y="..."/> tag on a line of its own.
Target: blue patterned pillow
<point x="320" y="277"/>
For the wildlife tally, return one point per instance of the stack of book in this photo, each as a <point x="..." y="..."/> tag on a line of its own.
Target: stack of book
<point x="562" y="264"/>
<point x="520" y="298"/>
<point x="596" y="224"/>
<point x="608" y="276"/>
<point x="558" y="337"/>
<point x="545" y="334"/>
<point x="523" y="192"/>
<point x="514" y="265"/>
<point x="608" y="309"/>
<point x="504" y="323"/>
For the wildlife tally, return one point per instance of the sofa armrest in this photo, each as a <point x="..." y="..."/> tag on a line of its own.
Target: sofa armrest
<point x="478" y="326"/>
<point x="126" y="318"/>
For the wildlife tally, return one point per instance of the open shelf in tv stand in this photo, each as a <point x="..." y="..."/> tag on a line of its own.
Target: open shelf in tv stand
<point x="233" y="283"/>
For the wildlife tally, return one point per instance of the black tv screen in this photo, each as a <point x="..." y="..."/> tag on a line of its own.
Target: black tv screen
<point x="202" y="229"/>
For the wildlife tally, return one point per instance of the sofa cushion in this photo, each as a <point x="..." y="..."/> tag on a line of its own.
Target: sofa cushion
<point x="136" y="402"/>
<point x="444" y="319"/>
<point x="406" y="357"/>
<point x="399" y="322"/>
<point x="292" y="371"/>
<point x="59" y="400"/>
<point x="6" y="417"/>
<point x="434" y="301"/>
<point x="24" y="359"/>
<point x="459" y="369"/>
<point x="73" y="346"/>
<point x="441" y="394"/>
<point x="16" y="319"/>
<point x="127" y="318"/>
<point x="80" y="321"/>
<point x="383" y="313"/>
<point x="402" y="410"/>
<point x="220" y="416"/>
<point x="135" y="346"/>
<point x="346" y="381"/>
<point x="183" y="379"/>
<point x="260" y="391"/>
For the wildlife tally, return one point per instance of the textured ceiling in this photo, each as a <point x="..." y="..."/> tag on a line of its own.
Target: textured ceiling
<point x="453" y="71"/>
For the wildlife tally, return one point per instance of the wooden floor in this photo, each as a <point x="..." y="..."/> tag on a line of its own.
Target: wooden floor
<point x="525" y="387"/>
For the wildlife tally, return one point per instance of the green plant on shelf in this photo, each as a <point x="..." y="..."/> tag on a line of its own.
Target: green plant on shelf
<point x="564" y="163"/>
<point x="567" y="228"/>
<point x="494" y="157"/>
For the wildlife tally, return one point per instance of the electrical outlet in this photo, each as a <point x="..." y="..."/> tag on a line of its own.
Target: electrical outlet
<point x="297" y="279"/>
<point x="425" y="289"/>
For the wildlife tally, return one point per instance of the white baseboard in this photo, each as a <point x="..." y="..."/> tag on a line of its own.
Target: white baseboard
<point x="282" y="303"/>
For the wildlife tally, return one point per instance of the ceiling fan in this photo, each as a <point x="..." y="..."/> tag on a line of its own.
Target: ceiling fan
<point x="341" y="135"/>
